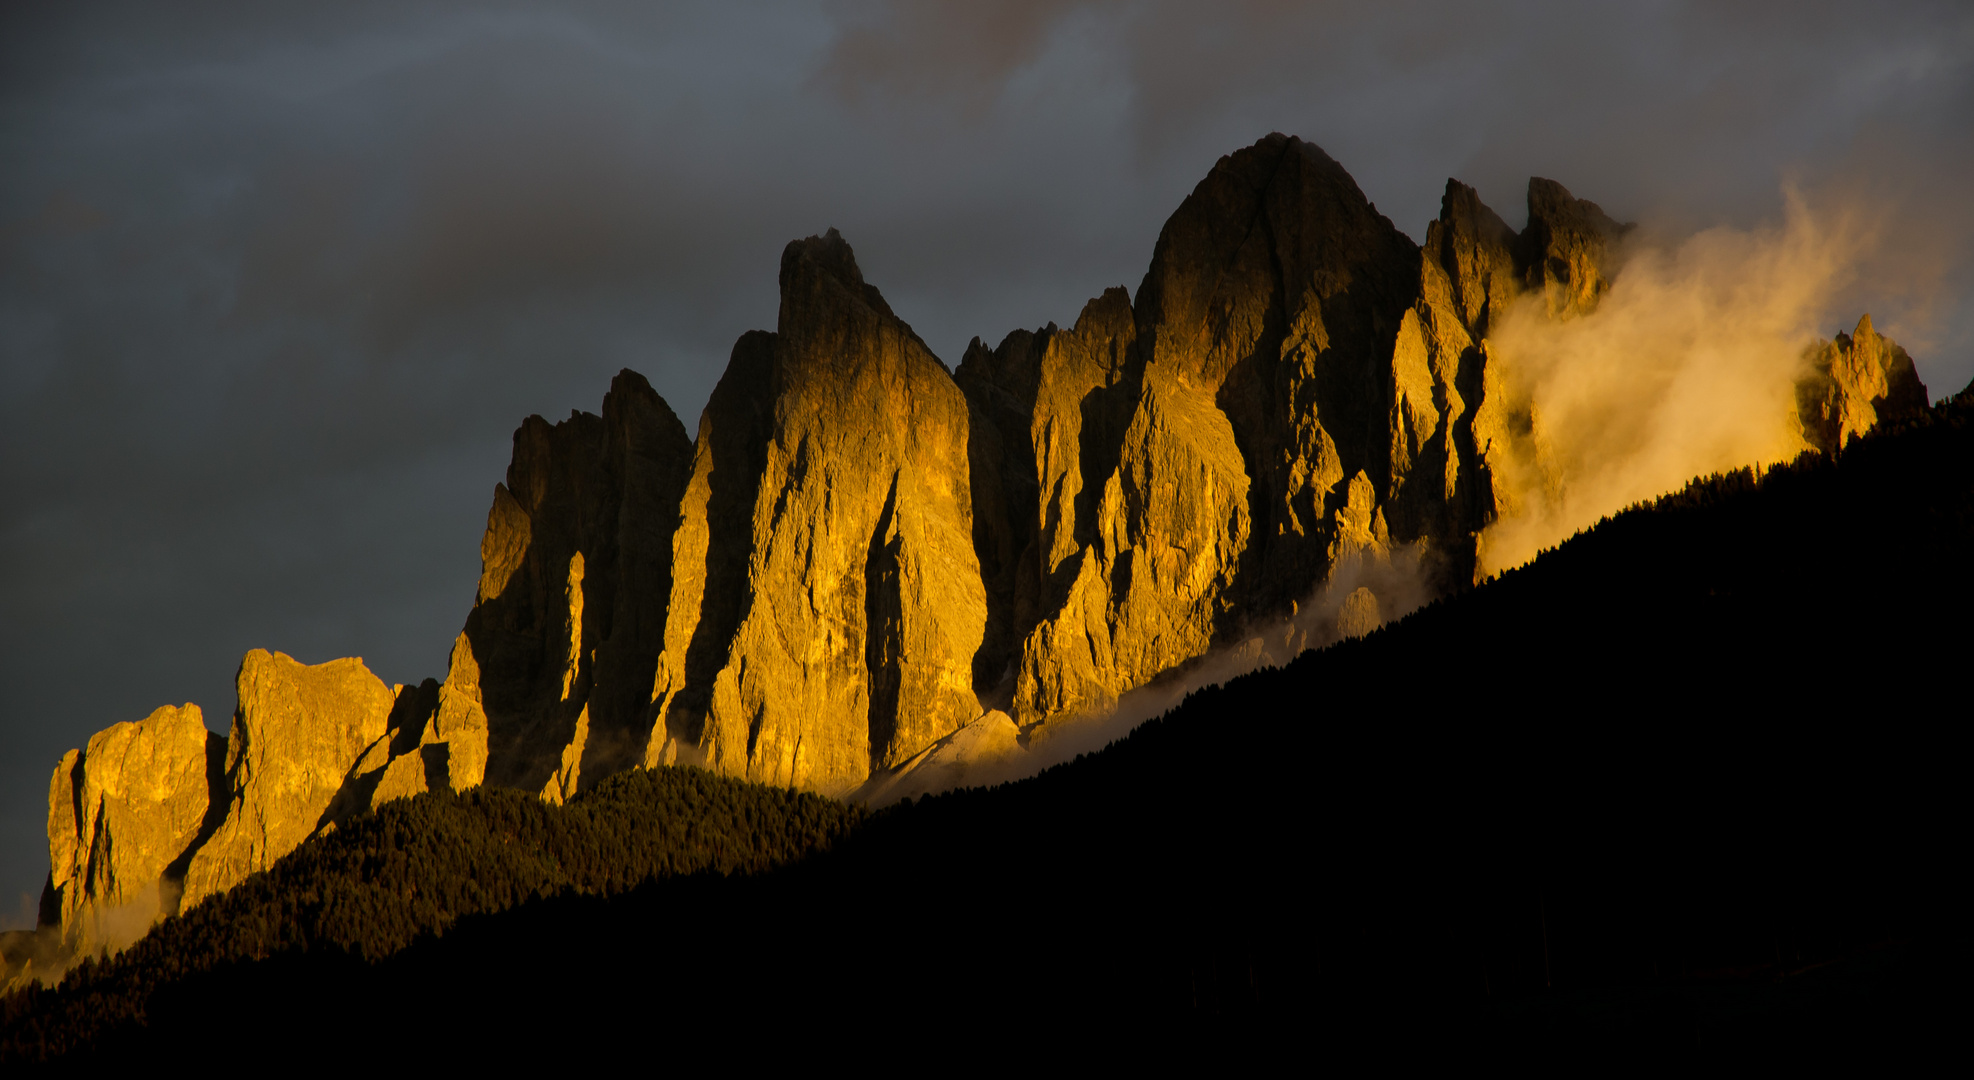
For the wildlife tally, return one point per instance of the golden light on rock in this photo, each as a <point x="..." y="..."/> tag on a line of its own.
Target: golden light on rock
<point x="873" y="577"/>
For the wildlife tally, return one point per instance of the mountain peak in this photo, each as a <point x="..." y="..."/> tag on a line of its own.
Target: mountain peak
<point x="859" y="554"/>
<point x="831" y="257"/>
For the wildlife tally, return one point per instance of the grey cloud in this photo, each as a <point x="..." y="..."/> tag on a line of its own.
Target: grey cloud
<point x="278" y="280"/>
<point x="947" y="48"/>
<point x="1683" y="115"/>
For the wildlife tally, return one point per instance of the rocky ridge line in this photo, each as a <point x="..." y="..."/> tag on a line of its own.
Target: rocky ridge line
<point x="866" y="565"/>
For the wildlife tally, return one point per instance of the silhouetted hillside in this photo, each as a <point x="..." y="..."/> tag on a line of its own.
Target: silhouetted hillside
<point x="1631" y="795"/>
<point x="413" y="868"/>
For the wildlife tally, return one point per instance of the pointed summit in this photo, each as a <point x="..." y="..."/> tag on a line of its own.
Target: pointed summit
<point x="1567" y="250"/>
<point x="859" y="554"/>
<point x="1854" y="382"/>
<point x="828" y="603"/>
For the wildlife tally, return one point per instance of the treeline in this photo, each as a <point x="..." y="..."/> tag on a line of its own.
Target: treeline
<point x="416" y="866"/>
<point x="1686" y="786"/>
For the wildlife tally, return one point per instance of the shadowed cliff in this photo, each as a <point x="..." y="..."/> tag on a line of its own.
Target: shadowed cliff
<point x="1702" y="815"/>
<point x="864" y="563"/>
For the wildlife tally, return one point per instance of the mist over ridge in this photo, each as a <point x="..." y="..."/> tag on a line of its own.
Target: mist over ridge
<point x="872" y="576"/>
<point x="1686" y="367"/>
<point x="278" y="285"/>
<point x="1386" y="837"/>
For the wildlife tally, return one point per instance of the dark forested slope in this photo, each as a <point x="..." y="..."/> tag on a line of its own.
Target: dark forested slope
<point x="1638" y="790"/>
<point x="416" y="866"/>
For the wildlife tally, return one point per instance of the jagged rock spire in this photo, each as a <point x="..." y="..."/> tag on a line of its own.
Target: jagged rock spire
<point x="860" y="558"/>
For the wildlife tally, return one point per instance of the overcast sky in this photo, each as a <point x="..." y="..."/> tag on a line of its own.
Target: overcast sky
<point x="278" y="280"/>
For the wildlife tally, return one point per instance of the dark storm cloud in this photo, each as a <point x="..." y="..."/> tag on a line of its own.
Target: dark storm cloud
<point x="277" y="281"/>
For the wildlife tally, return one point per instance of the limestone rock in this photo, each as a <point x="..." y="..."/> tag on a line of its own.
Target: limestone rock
<point x="402" y="778"/>
<point x="1853" y="383"/>
<point x="159" y="814"/>
<point x="712" y="546"/>
<point x="867" y="573"/>
<point x="561" y="785"/>
<point x="1359" y="614"/>
<point x="459" y="727"/>
<point x="1153" y="588"/>
<point x="1287" y="336"/>
<point x="978" y="754"/>
<point x="1472" y="251"/>
<point x="297" y="735"/>
<point x="569" y="619"/>
<point x="1447" y="488"/>
<point x="1047" y="410"/>
<point x="1496" y="452"/>
<point x="828" y="603"/>
<point x="1568" y="250"/>
<point x="121" y="812"/>
<point x="354" y="794"/>
<point x="1000" y="386"/>
<point x="400" y="763"/>
<point x="1358" y="524"/>
<point x="1279" y="290"/>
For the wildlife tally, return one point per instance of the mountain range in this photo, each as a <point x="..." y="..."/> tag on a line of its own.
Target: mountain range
<point x="736" y="662"/>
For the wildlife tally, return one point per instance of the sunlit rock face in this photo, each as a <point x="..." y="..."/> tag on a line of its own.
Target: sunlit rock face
<point x="1442" y="480"/>
<point x="1853" y="383"/>
<point x="549" y="682"/>
<point x="154" y="816"/>
<point x="1185" y="474"/>
<point x="867" y="574"/>
<point x="299" y="733"/>
<point x="827" y="604"/>
<point x="1567" y="250"/>
<point x="395" y="765"/>
<point x="1050" y="410"/>
<point x="1278" y="291"/>
<point x="121" y="812"/>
